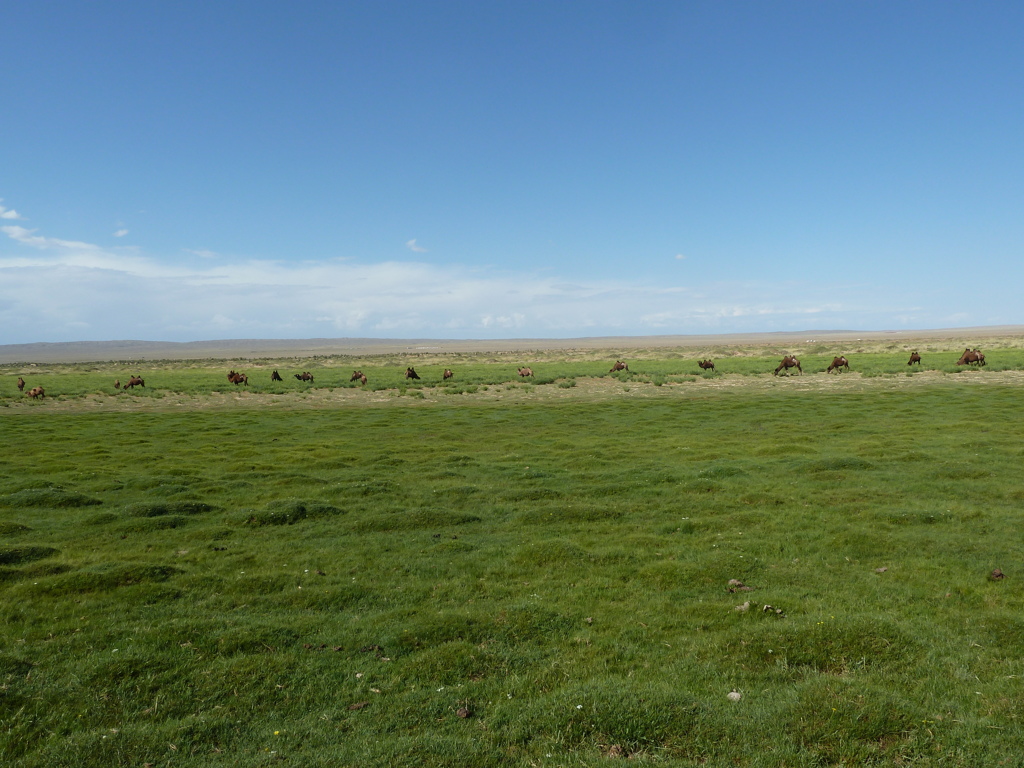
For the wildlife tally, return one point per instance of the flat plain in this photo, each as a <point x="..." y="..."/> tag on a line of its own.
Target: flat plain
<point x="665" y="565"/>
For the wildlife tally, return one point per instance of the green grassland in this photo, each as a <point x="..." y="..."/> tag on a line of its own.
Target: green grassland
<point x="533" y="582"/>
<point x="472" y="372"/>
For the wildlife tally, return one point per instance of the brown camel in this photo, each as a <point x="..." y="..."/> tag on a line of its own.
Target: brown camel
<point x="36" y="392"/>
<point x="971" y="356"/>
<point x="524" y="372"/>
<point x="275" y="376"/>
<point x="914" y="358"/>
<point x="357" y="375"/>
<point x="447" y="374"/>
<point x="707" y="365"/>
<point x="135" y="381"/>
<point x="304" y="376"/>
<point x="411" y="374"/>
<point x="21" y="384"/>
<point x="789" y="361"/>
<point x="838" y="363"/>
<point x="619" y="366"/>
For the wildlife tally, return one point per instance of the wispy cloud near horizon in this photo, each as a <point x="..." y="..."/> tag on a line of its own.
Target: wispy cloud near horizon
<point x="411" y="245"/>
<point x="53" y="289"/>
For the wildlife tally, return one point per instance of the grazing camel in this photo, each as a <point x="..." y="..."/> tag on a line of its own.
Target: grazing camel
<point x="914" y="358"/>
<point x="275" y="376"/>
<point x="21" y="384"/>
<point x="238" y="378"/>
<point x="838" y="363"/>
<point x="362" y="379"/>
<point x="135" y="381"/>
<point x="707" y="365"/>
<point x="447" y="374"/>
<point x="356" y="376"/>
<point x="971" y="356"/>
<point x="524" y="372"/>
<point x="789" y="361"/>
<point x="619" y="366"/>
<point x="304" y="376"/>
<point x="411" y="374"/>
<point x="36" y="392"/>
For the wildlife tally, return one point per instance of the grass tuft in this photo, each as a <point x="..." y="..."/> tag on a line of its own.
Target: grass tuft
<point x="291" y="511"/>
<point x="20" y="555"/>
<point x="47" y="497"/>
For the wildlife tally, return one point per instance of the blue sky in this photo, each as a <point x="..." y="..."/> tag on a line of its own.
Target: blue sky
<point x="187" y="171"/>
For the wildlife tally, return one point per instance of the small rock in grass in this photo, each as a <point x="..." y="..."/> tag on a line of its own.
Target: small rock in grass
<point x="735" y="585"/>
<point x="358" y="705"/>
<point x="734" y="695"/>
<point x="744" y="607"/>
<point x="615" y="751"/>
<point x="997" y="575"/>
<point x="463" y="712"/>
<point x="883" y="569"/>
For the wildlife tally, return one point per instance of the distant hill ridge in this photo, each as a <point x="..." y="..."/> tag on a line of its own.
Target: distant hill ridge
<point x="131" y="349"/>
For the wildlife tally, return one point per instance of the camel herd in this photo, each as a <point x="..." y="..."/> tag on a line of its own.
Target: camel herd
<point x="970" y="356"/>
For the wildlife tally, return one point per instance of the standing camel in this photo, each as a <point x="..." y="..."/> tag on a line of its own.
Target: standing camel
<point x="789" y="361"/>
<point x="838" y="363"/>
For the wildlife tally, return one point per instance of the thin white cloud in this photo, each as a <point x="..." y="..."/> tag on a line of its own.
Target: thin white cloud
<point x="28" y="237"/>
<point x="203" y="253"/>
<point x="121" y="233"/>
<point x="411" y="245"/>
<point x="59" y="290"/>
<point x="680" y="257"/>
<point x="8" y="213"/>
